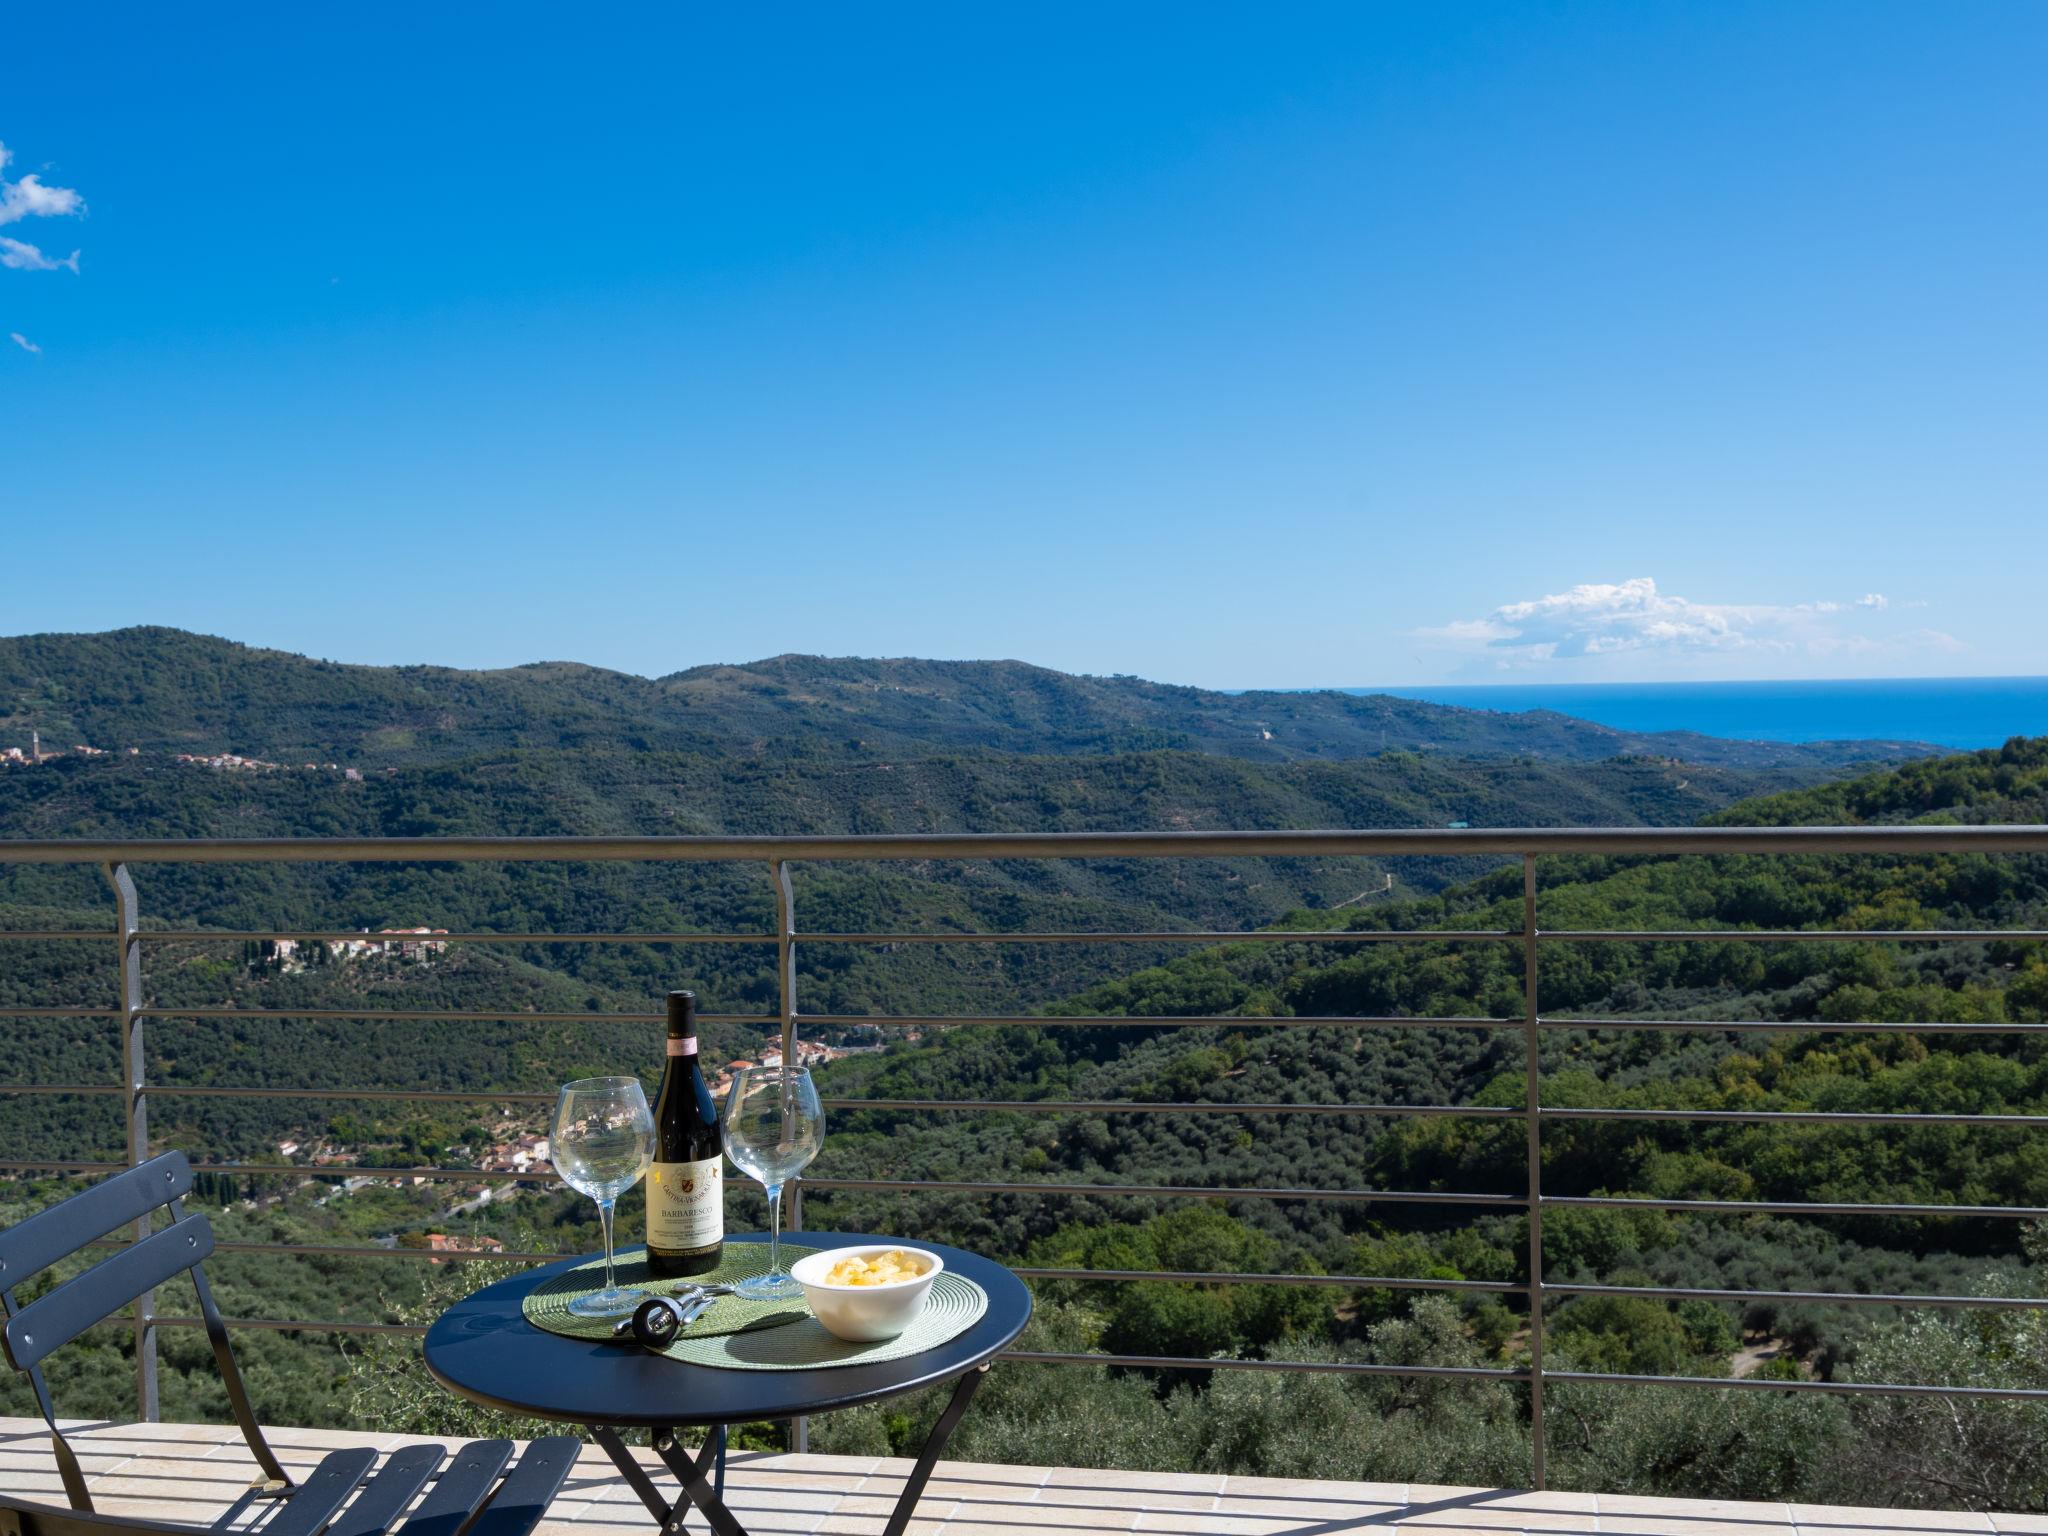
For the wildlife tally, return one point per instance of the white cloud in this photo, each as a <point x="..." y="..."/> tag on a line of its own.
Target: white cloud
<point x="1606" y="619"/>
<point x="29" y="198"/>
<point x="24" y="343"/>
<point x="23" y="257"/>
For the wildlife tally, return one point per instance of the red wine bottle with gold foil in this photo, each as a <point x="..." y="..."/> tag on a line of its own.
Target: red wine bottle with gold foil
<point x="686" y="1185"/>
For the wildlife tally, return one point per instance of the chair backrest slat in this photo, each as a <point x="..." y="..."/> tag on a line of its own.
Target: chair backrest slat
<point x="36" y="1242"/>
<point x="94" y="1296"/>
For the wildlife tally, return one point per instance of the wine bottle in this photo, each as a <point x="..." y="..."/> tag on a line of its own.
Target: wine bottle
<point x="685" y="1187"/>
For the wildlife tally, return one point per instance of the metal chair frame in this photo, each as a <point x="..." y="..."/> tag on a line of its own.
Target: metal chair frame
<point x="129" y="1276"/>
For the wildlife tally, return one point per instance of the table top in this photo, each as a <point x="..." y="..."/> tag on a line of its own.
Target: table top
<point x="484" y="1349"/>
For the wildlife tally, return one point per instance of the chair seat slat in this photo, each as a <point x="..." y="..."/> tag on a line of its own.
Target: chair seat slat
<point x="36" y="1242"/>
<point x="103" y="1290"/>
<point x="313" y="1502"/>
<point x="470" y="1474"/>
<point x="385" y="1496"/>
<point x="523" y="1499"/>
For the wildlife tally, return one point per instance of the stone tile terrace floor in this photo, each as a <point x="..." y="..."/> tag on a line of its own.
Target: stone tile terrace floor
<point x="192" y="1473"/>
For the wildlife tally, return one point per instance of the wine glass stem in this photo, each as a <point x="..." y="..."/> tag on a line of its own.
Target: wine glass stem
<point x="604" y="1216"/>
<point x="774" y="1229"/>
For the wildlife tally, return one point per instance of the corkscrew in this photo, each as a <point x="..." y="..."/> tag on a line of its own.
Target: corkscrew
<point x="657" y="1321"/>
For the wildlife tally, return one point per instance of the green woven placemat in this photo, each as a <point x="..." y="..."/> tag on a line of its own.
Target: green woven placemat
<point x="741" y="1335"/>
<point x="547" y="1305"/>
<point x="954" y="1306"/>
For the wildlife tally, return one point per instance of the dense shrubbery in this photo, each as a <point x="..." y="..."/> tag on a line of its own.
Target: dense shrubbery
<point x="1689" y="1440"/>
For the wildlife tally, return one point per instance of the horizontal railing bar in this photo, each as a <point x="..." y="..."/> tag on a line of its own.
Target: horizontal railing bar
<point x="1786" y="935"/>
<point x="1796" y="1208"/>
<point x="1751" y="1383"/>
<point x="424" y="1095"/>
<point x="372" y="1251"/>
<point x="1038" y="1106"/>
<point x="1176" y="1191"/>
<point x="1428" y="842"/>
<point x="1204" y="1107"/>
<point x="1790" y="1117"/>
<point x="1853" y="1298"/>
<point x="1094" y="1020"/>
<point x="1081" y="1106"/>
<point x="1176" y="936"/>
<point x="1805" y="1026"/>
<point x="66" y="1088"/>
<point x="1152" y="1021"/>
<point x="1153" y="936"/>
<point x="1236" y="1277"/>
<point x="442" y="1015"/>
<point x="365" y="1171"/>
<point x="61" y="1165"/>
<point x="1226" y="1277"/>
<point x="1178" y="1276"/>
<point x="1188" y="1191"/>
<point x="294" y="1325"/>
<point x="357" y="935"/>
<point x="1330" y="1367"/>
<point x="1327" y="1367"/>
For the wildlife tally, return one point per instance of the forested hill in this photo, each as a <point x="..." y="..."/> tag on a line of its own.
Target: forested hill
<point x="166" y="689"/>
<point x="1809" y="1066"/>
<point x="1707" y="980"/>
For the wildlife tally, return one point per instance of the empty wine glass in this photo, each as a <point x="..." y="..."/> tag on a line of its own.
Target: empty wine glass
<point x="603" y="1142"/>
<point x="773" y="1126"/>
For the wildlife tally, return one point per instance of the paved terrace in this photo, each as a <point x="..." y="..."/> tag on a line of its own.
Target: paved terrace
<point x="196" y="1472"/>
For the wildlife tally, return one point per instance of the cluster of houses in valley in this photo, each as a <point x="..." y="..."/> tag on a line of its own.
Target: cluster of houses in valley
<point x="405" y="943"/>
<point x="234" y="762"/>
<point x="517" y="1152"/>
<point x="809" y="1053"/>
<point x="38" y="753"/>
<point x="443" y="1242"/>
<point x="221" y="762"/>
<point x="524" y="1153"/>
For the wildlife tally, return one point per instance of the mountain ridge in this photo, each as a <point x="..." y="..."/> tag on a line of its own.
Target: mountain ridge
<point x="163" y="688"/>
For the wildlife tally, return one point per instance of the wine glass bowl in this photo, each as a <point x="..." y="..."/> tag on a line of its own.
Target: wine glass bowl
<point x="601" y="1144"/>
<point x="773" y="1125"/>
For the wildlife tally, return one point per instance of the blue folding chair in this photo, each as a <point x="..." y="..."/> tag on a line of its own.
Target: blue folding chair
<point x="474" y="1495"/>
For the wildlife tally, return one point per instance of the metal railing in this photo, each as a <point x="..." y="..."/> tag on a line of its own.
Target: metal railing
<point x="780" y="855"/>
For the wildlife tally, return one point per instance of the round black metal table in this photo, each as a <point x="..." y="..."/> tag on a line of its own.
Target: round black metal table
<point x="484" y="1349"/>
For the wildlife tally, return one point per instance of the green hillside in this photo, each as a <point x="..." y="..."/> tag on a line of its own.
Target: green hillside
<point x="607" y="792"/>
<point x="1678" y="1442"/>
<point x="1736" y="1445"/>
<point x="169" y="690"/>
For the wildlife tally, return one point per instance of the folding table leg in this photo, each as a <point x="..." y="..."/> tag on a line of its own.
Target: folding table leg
<point x="935" y="1442"/>
<point x="667" y="1516"/>
<point x="690" y="1473"/>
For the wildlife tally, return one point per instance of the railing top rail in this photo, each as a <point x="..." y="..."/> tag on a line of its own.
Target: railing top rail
<point x="1057" y="845"/>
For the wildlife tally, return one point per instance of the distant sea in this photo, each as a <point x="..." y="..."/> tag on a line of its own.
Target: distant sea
<point x="1947" y="711"/>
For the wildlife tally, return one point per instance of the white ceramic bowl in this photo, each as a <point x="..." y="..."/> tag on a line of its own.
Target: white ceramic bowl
<point x="863" y="1314"/>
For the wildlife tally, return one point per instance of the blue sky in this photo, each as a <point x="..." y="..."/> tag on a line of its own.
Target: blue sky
<point x="1237" y="346"/>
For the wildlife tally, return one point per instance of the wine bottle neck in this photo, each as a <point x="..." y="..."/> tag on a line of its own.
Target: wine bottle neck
<point x="682" y="1045"/>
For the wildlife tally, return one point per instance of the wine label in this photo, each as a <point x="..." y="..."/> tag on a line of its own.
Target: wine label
<point x="687" y="1046"/>
<point x="685" y="1204"/>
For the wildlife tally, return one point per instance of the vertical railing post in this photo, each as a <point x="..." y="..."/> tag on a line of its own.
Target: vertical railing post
<point x="133" y="1068"/>
<point x="1532" y="1114"/>
<point x="785" y="977"/>
<point x="785" y="981"/>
